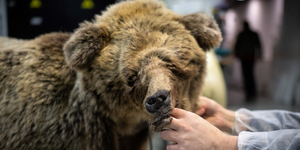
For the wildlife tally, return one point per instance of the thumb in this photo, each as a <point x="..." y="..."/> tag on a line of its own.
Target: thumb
<point x="201" y="106"/>
<point x="178" y="113"/>
<point x="200" y="111"/>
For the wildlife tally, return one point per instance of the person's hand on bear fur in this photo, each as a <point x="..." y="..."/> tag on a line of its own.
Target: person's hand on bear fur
<point x="191" y="132"/>
<point x="215" y="114"/>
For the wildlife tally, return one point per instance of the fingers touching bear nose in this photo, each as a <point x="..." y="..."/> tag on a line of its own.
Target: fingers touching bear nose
<point x="158" y="102"/>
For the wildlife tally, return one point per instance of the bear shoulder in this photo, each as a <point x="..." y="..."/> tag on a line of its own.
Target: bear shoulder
<point x="33" y="65"/>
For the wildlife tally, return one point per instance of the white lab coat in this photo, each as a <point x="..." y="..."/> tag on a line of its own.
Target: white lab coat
<point x="267" y="130"/>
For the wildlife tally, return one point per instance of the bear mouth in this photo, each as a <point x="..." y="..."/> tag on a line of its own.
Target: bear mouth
<point x="163" y="118"/>
<point x="160" y="106"/>
<point x="159" y="123"/>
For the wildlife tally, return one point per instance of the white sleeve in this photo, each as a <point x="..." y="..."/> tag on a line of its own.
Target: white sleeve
<point x="268" y="120"/>
<point x="286" y="139"/>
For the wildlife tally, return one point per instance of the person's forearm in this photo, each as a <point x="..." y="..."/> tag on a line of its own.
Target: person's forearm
<point x="229" y="118"/>
<point x="287" y="139"/>
<point x="265" y="120"/>
<point x="227" y="142"/>
<point x="232" y="143"/>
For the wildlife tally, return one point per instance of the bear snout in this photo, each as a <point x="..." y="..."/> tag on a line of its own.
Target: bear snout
<point x="159" y="102"/>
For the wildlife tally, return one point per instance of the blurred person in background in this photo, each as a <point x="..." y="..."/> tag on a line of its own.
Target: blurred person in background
<point x="248" y="50"/>
<point x="264" y="129"/>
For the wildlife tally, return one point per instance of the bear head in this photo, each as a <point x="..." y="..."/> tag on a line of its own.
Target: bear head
<point x="139" y="55"/>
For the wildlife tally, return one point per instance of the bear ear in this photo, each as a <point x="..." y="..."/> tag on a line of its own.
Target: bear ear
<point x="84" y="44"/>
<point x="204" y="28"/>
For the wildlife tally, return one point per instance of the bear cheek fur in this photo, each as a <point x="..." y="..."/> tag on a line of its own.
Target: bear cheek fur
<point x="105" y="79"/>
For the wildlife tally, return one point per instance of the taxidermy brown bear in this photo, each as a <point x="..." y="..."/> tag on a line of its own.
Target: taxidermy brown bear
<point x="96" y="88"/>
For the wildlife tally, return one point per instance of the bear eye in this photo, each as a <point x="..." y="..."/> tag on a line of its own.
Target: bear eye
<point x="171" y="66"/>
<point x="176" y="71"/>
<point x="131" y="80"/>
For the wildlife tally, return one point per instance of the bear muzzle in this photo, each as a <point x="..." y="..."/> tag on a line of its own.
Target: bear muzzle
<point x="159" y="106"/>
<point x="159" y="102"/>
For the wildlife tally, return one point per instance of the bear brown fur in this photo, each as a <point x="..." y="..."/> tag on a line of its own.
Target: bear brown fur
<point x="96" y="88"/>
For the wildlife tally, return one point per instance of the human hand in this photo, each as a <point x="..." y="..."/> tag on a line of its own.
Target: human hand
<point x="215" y="114"/>
<point x="188" y="131"/>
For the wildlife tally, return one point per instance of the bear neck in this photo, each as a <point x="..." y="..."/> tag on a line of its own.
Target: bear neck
<point x="85" y="99"/>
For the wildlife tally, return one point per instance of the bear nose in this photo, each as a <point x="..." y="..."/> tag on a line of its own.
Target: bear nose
<point x="156" y="101"/>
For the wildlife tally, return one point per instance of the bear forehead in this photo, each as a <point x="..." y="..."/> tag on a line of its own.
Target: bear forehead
<point x="147" y="28"/>
<point x="139" y="25"/>
<point x="138" y="14"/>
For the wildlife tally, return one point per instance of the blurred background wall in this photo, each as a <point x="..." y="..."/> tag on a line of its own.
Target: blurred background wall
<point x="277" y="73"/>
<point x="265" y="18"/>
<point x="286" y="79"/>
